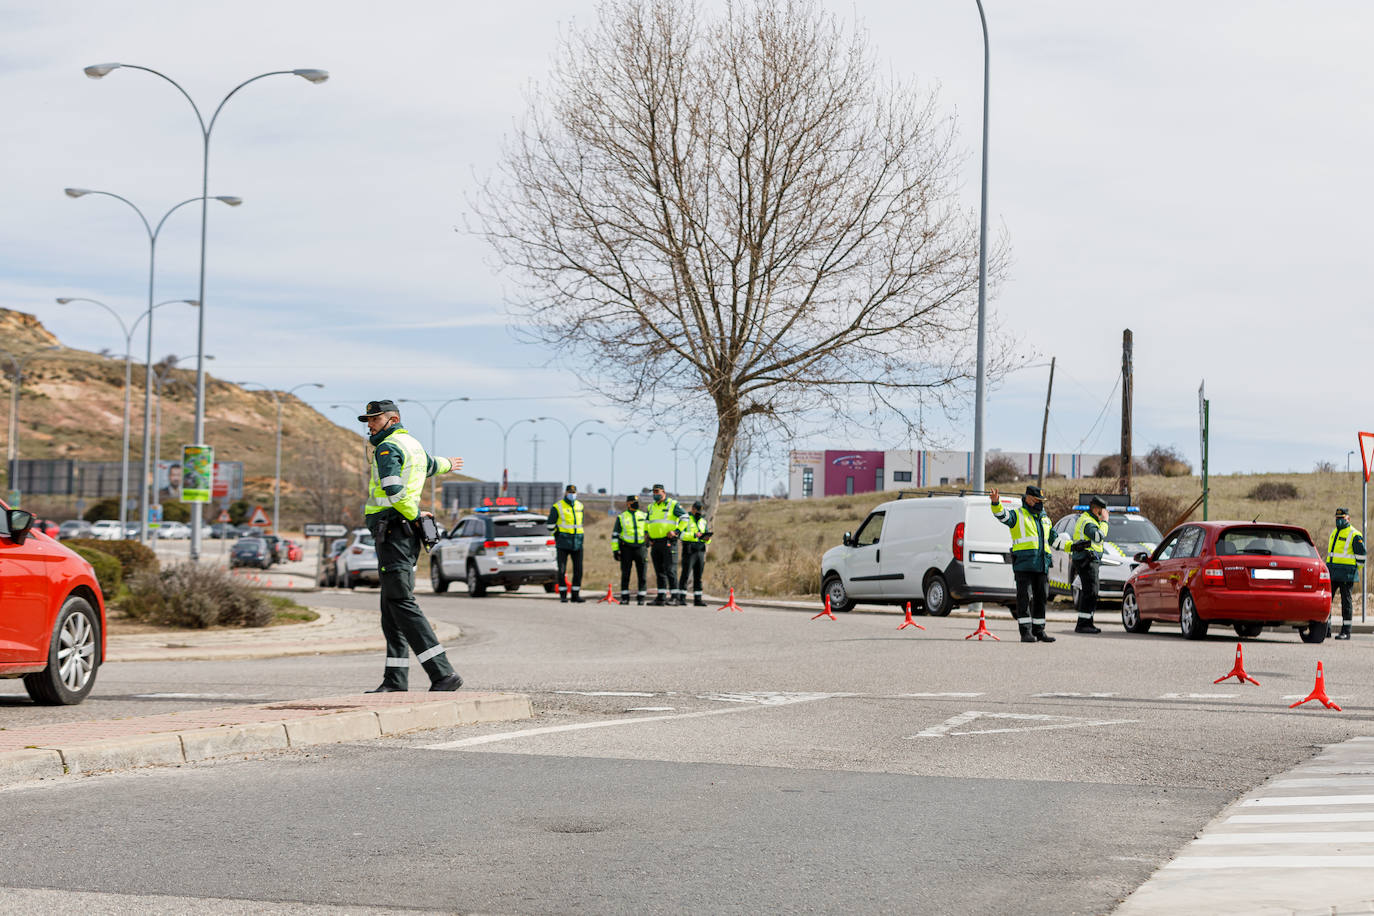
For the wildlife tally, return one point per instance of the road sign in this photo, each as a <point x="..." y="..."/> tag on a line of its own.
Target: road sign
<point x="259" y="517"/>
<point x="223" y="517"/>
<point x="326" y="531"/>
<point x="1367" y="453"/>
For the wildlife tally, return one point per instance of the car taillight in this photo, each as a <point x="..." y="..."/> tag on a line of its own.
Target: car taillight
<point x="1325" y="575"/>
<point x="957" y="545"/>
<point x="356" y="550"/>
<point x="550" y="542"/>
<point x="1213" y="572"/>
<point x="490" y="544"/>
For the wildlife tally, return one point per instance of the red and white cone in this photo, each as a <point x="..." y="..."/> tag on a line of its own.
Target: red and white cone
<point x="730" y="604"/>
<point x="909" y="622"/>
<point x="609" y="597"/>
<point x="826" y="612"/>
<point x="983" y="628"/>
<point x="1237" y="671"/>
<point x="1318" y="693"/>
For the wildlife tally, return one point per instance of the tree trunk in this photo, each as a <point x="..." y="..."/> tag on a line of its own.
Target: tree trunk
<point x="727" y="428"/>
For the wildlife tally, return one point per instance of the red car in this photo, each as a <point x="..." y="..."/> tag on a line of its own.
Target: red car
<point x="294" y="551"/>
<point x="1244" y="574"/>
<point x="52" y="629"/>
<point x="47" y="526"/>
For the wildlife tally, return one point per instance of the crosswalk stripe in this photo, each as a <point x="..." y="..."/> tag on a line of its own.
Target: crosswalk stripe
<point x="1329" y="817"/>
<point x="1200" y="862"/>
<point x="1291" y="801"/>
<point x="1266" y="839"/>
<point x="1323" y="781"/>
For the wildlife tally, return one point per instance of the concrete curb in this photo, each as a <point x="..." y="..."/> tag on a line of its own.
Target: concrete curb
<point x="329" y="722"/>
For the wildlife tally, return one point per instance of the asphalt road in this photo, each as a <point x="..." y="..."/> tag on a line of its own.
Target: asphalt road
<point x="684" y="759"/>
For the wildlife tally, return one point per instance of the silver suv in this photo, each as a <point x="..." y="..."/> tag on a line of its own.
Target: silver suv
<point x="508" y="548"/>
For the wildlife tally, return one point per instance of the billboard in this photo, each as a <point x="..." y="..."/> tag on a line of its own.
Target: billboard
<point x="852" y="472"/>
<point x="197" y="473"/>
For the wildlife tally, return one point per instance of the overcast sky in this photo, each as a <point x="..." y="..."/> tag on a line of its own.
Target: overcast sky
<point x="1198" y="173"/>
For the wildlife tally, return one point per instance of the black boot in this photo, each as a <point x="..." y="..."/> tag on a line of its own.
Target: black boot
<point x="699" y="603"/>
<point x="1345" y="631"/>
<point x="386" y="688"/>
<point x="1039" y="634"/>
<point x="660" y="601"/>
<point x="1086" y="626"/>
<point x="1026" y="634"/>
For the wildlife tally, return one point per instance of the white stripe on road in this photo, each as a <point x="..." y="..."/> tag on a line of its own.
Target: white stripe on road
<point x="917" y="696"/>
<point x="1293" y="801"/>
<point x="1338" y="817"/>
<point x="1265" y="839"/>
<point x="1199" y="862"/>
<point x="1324" y="781"/>
<point x="1072" y="696"/>
<point x="606" y="693"/>
<point x="1197" y="696"/>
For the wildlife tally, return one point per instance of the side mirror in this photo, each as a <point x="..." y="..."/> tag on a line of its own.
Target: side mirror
<point x="1141" y="557"/>
<point x="19" y="523"/>
<point x="848" y="539"/>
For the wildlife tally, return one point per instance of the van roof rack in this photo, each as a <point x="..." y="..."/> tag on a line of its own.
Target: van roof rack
<point x="912" y="494"/>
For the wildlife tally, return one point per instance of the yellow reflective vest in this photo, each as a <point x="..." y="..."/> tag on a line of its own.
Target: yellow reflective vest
<point x="663" y="517"/>
<point x="1080" y="534"/>
<point x="414" y="468"/>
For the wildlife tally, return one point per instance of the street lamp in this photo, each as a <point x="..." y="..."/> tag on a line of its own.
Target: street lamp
<point x="696" y="466"/>
<point x="1347" y="460"/>
<point x="97" y="71"/>
<point x="153" y="233"/>
<point x="276" y="490"/>
<point x="570" y="432"/>
<point x="128" y="369"/>
<point x="433" y="439"/>
<point x="614" y="442"/>
<point x="980" y="383"/>
<point x="505" y="436"/>
<point x="675" y="446"/>
<point x="12" y="451"/>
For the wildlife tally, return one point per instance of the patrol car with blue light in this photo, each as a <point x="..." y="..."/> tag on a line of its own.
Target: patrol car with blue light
<point x="498" y="544"/>
<point x="1128" y="533"/>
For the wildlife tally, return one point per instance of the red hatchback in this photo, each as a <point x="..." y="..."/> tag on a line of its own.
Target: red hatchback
<point x="52" y="616"/>
<point x="1246" y="574"/>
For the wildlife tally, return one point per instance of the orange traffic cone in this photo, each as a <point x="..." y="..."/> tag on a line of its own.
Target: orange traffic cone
<point x="1318" y="692"/>
<point x="1238" y="671"/>
<point x="826" y="612"/>
<point x="983" y="628"/>
<point x="730" y="604"/>
<point x="610" y="597"/>
<point x="909" y="622"/>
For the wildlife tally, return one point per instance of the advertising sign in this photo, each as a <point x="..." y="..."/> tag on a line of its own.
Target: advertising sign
<point x="197" y="469"/>
<point x="851" y="471"/>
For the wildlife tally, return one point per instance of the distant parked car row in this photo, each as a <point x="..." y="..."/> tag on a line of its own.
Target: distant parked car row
<point x="110" y="530"/>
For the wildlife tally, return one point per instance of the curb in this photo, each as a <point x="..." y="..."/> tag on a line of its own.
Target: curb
<point x="324" y="721"/>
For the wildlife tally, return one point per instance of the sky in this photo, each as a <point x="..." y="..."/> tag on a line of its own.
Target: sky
<point x="1197" y="173"/>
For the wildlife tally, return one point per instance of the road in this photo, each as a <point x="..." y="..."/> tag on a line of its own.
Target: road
<point x="690" y="760"/>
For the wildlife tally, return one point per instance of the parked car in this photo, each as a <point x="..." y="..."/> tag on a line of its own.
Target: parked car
<point x="54" y="617"/>
<point x="108" y="530"/>
<point x="936" y="551"/>
<point x="248" y="531"/>
<point x="173" y="531"/>
<point x="277" y="545"/>
<point x="294" y="550"/>
<point x="222" y="530"/>
<point x="74" y="528"/>
<point x="510" y="549"/>
<point x="47" y="526"/>
<point x="131" y="531"/>
<point x="1246" y="575"/>
<point x="1128" y="533"/>
<point x="329" y="573"/>
<point x="357" y="561"/>
<point x="250" y="552"/>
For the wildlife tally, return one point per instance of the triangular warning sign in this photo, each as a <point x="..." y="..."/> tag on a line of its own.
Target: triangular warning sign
<point x="1367" y="453"/>
<point x="223" y="517"/>
<point x="259" y="517"/>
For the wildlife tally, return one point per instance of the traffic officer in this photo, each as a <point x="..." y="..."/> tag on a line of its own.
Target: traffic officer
<point x="696" y="534"/>
<point x="565" y="520"/>
<point x="1089" y="539"/>
<point x="630" y="538"/>
<point x="1032" y="538"/>
<point x="1344" y="558"/>
<point x="662" y="522"/>
<point x="399" y="466"/>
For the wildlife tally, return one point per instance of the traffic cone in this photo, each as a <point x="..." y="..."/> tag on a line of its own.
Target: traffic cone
<point x="730" y="605"/>
<point x="826" y="612"/>
<point x="1318" y="692"/>
<point x="610" y="597"/>
<point x="1238" y="671"/>
<point x="982" y="628"/>
<point x="909" y="622"/>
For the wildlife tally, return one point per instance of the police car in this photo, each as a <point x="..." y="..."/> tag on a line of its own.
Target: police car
<point x="1128" y="533"/>
<point x="496" y="545"/>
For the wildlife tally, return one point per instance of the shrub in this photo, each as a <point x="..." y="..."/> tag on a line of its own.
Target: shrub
<point x="107" y="572"/>
<point x="1273" y="491"/>
<point x="175" y="511"/>
<point x="133" y="557"/>
<point x="190" y="595"/>
<point x="1161" y="508"/>
<point x="104" y="509"/>
<point x="1167" y="462"/>
<point x="1001" y="469"/>
<point x="1111" y="467"/>
<point x="1324" y="467"/>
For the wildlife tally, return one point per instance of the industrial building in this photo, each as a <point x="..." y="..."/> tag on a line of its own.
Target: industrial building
<point x="836" y="472"/>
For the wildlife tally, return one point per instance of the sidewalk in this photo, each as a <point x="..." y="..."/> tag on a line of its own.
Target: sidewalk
<point x="47" y="751"/>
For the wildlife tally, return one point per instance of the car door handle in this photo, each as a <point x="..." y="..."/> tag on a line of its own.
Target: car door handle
<point x="878" y="555"/>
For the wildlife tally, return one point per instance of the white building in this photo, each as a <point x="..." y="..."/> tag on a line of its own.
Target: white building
<point x="834" y="472"/>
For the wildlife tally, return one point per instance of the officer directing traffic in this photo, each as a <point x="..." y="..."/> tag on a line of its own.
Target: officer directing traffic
<point x="1032" y="538"/>
<point x="696" y="534"/>
<point x="565" y="520"/>
<point x="630" y="539"/>
<point x="1345" y="555"/>
<point x="1089" y="539"/>
<point x="663" y="518"/>
<point x="399" y="467"/>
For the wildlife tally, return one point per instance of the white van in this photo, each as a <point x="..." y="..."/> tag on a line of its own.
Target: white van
<point x="938" y="551"/>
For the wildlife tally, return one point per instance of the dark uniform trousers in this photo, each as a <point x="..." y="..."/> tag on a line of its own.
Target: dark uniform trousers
<point x="663" y="551"/>
<point x="1347" y="600"/>
<point x="563" y="554"/>
<point x="632" y="556"/>
<point x="403" y="624"/>
<point x="1030" y="599"/>
<point x="1085" y="568"/>
<point x="693" y="564"/>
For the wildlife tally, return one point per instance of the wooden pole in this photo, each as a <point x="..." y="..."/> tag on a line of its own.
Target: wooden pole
<point x="1045" y="428"/>
<point x="1126" y="381"/>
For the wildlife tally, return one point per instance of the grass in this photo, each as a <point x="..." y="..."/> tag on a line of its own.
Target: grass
<point x="285" y="610"/>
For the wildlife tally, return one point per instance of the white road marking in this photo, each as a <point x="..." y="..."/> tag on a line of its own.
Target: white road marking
<point x="1323" y="781"/>
<point x="1072" y="696"/>
<point x="1330" y="817"/>
<point x="768" y="697"/>
<point x="937" y="695"/>
<point x="946" y="728"/>
<point x="1197" y="696"/>
<point x="651" y="709"/>
<point x="606" y="693"/>
<point x="1293" y="801"/>
<point x="1197" y="862"/>
<point x="1343" y="698"/>
<point x="1265" y="839"/>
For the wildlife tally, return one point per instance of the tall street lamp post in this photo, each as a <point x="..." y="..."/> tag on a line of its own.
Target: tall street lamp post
<point x="505" y="437"/>
<point x="980" y="385"/>
<point x="17" y="365"/>
<point x="276" y="488"/>
<point x="153" y="233"/>
<point x="614" y="442"/>
<point x="570" y="432"/>
<point x="675" y="458"/>
<point x="433" y="440"/>
<point x="97" y="71"/>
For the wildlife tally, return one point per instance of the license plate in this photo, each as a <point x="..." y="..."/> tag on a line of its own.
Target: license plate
<point x="530" y="547"/>
<point x="1279" y="574"/>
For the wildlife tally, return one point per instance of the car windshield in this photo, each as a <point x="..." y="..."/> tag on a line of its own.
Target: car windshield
<point x="519" y="528"/>
<point x="1264" y="542"/>
<point x="1132" y="529"/>
<point x="365" y="540"/>
<point x="249" y="544"/>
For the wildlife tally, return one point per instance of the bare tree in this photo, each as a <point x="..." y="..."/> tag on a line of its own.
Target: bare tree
<point x="332" y="485"/>
<point x="736" y="216"/>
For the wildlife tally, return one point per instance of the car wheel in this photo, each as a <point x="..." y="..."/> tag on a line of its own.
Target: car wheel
<point x="550" y="587"/>
<point x="1130" y="614"/>
<point x="476" y="588"/>
<point x="512" y="588"/>
<point x="1313" y="634"/>
<point x="1192" y="626"/>
<point x="350" y="580"/>
<point x="72" y="657"/>
<point x="1248" y="630"/>
<point x="436" y="577"/>
<point x="839" y="598"/>
<point x="936" y="598"/>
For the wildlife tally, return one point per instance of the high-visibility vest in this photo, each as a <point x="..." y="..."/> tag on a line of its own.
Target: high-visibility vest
<point x="1080" y="532"/>
<point x="1340" y="550"/>
<point x="412" y="477"/>
<point x="632" y="527"/>
<point x="693" y="529"/>
<point x="569" y="516"/>
<point x="1031" y="531"/>
<point x="662" y="519"/>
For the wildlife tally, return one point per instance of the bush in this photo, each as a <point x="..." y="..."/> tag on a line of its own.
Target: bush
<point x="1000" y="469"/>
<point x="1161" y="508"/>
<point x="1167" y="462"/>
<point x="107" y="572"/>
<point x="133" y="557"/>
<point x="1324" y="467"/>
<point x="190" y="595"/>
<point x="104" y="509"/>
<point x="175" y="511"/>
<point x="1110" y="467"/>
<point x="1273" y="491"/>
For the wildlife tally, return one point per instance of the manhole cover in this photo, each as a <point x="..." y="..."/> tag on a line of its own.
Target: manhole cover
<point x="313" y="706"/>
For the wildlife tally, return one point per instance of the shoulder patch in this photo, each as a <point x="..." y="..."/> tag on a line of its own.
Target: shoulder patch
<point x="385" y="451"/>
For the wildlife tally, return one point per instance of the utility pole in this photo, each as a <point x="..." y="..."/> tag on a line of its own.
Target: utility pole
<point x="535" y="443"/>
<point x="1127" y="376"/>
<point x="1045" y="428"/>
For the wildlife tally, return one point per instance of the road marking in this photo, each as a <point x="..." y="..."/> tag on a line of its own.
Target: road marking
<point x="1292" y="801"/>
<point x="1263" y="839"/>
<point x="937" y="695"/>
<point x="1198" y="862"/>
<point x="1330" y="817"/>
<point x="1197" y="696"/>
<point x="1072" y="696"/>
<point x="651" y="709"/>
<point x="606" y="693"/>
<point x="1323" y="781"/>
<point x="581" y="726"/>
<point x="1345" y="698"/>
<point x="768" y="697"/>
<point x="946" y="728"/>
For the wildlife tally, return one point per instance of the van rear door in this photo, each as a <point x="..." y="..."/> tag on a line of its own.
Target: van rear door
<point x="987" y="547"/>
